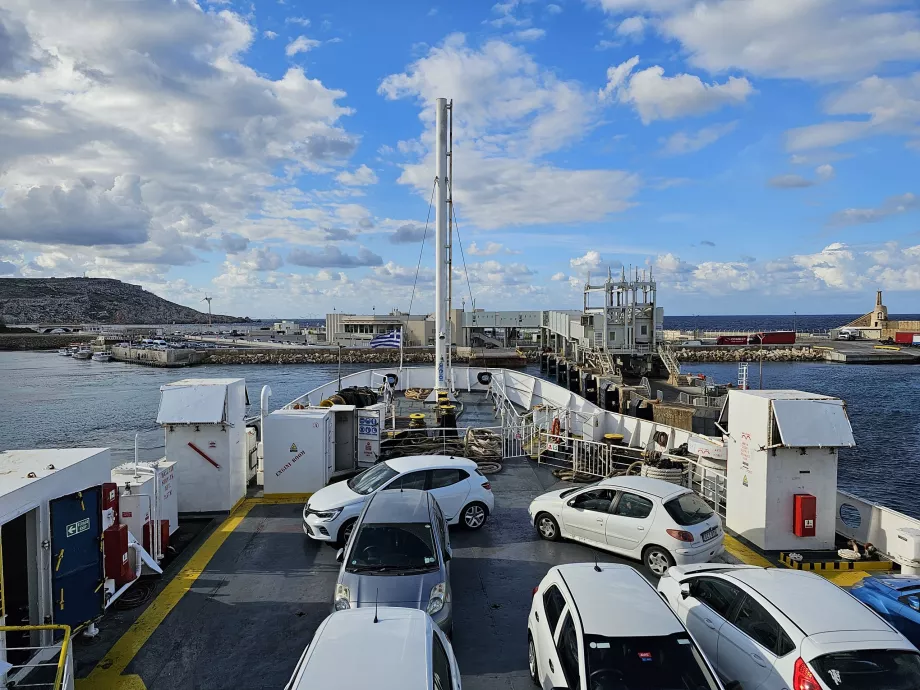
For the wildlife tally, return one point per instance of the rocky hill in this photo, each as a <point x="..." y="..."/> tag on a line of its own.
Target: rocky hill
<point x="91" y="300"/>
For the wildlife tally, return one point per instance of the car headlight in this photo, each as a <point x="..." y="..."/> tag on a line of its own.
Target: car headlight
<point x="328" y="514"/>
<point x="436" y="599"/>
<point x="342" y="598"/>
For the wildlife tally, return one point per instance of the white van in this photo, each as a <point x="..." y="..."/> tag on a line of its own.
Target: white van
<point x="400" y="649"/>
<point x="848" y="334"/>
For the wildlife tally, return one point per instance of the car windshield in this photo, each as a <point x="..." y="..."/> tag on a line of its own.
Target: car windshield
<point x="646" y="663"/>
<point x="869" y="669"/>
<point x="372" y="479"/>
<point x="688" y="509"/>
<point x="393" y="548"/>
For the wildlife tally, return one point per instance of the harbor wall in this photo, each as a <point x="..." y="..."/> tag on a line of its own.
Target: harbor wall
<point x="361" y="355"/>
<point x="727" y="353"/>
<point x="41" y="341"/>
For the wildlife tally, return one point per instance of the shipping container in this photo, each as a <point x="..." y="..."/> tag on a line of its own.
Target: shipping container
<point x="774" y="338"/>
<point x="732" y="340"/>
<point x="906" y="338"/>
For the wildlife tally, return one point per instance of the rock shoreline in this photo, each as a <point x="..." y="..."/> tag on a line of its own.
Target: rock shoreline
<point x="749" y="354"/>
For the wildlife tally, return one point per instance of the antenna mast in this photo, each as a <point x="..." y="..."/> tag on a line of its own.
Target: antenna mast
<point x="208" y="300"/>
<point x="442" y="251"/>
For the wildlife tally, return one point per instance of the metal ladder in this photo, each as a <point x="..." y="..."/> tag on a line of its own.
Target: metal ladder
<point x="669" y="359"/>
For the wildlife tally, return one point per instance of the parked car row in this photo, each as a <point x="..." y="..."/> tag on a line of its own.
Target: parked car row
<point x="592" y="626"/>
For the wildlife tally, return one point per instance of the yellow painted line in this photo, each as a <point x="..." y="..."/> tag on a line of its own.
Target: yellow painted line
<point x="887" y="347"/>
<point x="822" y="347"/>
<point x="843" y="578"/>
<point x="268" y="499"/>
<point x="108" y="673"/>
<point x="745" y="554"/>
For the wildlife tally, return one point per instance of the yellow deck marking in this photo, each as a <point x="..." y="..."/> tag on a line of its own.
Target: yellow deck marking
<point x="845" y="578"/>
<point x="744" y="553"/>
<point x="108" y="673"/>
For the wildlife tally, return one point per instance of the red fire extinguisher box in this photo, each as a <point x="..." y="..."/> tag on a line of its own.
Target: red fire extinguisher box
<point x="115" y="548"/>
<point x="804" y="513"/>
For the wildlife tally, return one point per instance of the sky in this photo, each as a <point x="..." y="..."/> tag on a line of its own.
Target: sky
<point x="756" y="156"/>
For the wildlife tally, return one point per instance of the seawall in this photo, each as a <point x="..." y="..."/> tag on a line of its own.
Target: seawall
<point x="791" y="353"/>
<point x="39" y="341"/>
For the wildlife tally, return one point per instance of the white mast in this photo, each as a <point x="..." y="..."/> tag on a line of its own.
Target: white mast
<point x="442" y="257"/>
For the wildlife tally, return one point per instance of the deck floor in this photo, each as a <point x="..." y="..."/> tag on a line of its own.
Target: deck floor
<point x="253" y="609"/>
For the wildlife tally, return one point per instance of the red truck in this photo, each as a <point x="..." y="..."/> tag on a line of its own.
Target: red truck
<point x="732" y="340"/>
<point x="907" y="338"/>
<point x="774" y="338"/>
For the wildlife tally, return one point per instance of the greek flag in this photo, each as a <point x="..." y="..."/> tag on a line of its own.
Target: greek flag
<point x="391" y="339"/>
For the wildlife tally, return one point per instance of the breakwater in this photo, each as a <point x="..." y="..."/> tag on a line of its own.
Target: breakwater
<point x="40" y="341"/>
<point x="791" y="353"/>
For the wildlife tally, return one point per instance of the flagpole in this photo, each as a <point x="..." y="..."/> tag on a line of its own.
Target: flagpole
<point x="400" y="347"/>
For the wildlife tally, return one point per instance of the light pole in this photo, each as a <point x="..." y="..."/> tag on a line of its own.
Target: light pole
<point x="794" y="315"/>
<point x="208" y="300"/>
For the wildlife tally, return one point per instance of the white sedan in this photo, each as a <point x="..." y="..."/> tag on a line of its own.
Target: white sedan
<point x="462" y="492"/>
<point x="773" y="629"/>
<point x="651" y="520"/>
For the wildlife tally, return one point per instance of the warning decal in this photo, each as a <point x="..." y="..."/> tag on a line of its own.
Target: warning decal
<point x="76" y="527"/>
<point x="293" y="447"/>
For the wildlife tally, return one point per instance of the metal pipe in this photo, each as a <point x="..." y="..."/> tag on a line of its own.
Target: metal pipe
<point x="441" y="253"/>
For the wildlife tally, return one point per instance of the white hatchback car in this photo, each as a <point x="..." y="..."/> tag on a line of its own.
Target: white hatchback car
<point x="598" y="626"/>
<point x="775" y="629"/>
<point x="400" y="649"/>
<point x="648" y="519"/>
<point x="462" y="491"/>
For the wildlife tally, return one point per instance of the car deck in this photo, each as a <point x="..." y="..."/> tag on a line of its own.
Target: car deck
<point x="238" y="610"/>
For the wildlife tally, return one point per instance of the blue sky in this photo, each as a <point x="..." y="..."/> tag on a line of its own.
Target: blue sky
<point x="760" y="156"/>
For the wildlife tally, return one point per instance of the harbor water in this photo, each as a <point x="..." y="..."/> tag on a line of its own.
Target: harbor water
<point x="50" y="401"/>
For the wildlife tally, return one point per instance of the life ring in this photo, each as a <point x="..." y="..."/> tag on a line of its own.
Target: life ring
<point x="392" y="379"/>
<point x="555" y="428"/>
<point x="484" y="377"/>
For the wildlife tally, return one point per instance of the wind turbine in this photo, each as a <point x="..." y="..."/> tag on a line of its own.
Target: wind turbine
<point x="208" y="300"/>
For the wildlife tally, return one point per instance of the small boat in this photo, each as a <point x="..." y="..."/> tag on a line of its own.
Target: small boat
<point x="82" y="354"/>
<point x="64" y="352"/>
<point x="105" y="356"/>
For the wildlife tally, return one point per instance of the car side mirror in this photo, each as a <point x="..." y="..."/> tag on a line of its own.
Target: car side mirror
<point x="447" y="556"/>
<point x="914" y="603"/>
<point x="340" y="555"/>
<point x="734" y="685"/>
<point x="684" y="590"/>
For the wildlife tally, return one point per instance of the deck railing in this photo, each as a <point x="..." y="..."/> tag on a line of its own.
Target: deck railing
<point x="49" y="666"/>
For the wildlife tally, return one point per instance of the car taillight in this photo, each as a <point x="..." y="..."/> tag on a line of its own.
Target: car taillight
<point x="680" y="535"/>
<point x="535" y="590"/>
<point x="487" y="486"/>
<point x="803" y="678"/>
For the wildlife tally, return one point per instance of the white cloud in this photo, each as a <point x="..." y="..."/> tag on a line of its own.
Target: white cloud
<point x="408" y="233"/>
<point x="260" y="259"/>
<point x="147" y="137"/>
<point x="805" y="39"/>
<point x="884" y="106"/>
<point x="657" y="97"/>
<point x="301" y="44"/>
<point x="270" y="35"/>
<point x="509" y="112"/>
<point x="681" y="143"/>
<point x="331" y="256"/>
<point x="531" y="34"/>
<point x="302" y="21"/>
<point x="360" y="177"/>
<point x="823" y="173"/>
<point x="591" y="261"/>
<point x="553" y="8"/>
<point x="558" y="276"/>
<point x="892" y="206"/>
<point x="632" y="27"/>
<point x="490" y="249"/>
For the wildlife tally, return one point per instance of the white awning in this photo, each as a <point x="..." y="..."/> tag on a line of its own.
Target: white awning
<point x="816" y="423"/>
<point x="192" y="405"/>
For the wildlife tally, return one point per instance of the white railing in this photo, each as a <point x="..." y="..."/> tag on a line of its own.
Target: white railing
<point x="50" y="666"/>
<point x="868" y="522"/>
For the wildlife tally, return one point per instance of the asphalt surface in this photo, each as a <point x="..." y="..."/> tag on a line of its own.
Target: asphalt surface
<point x="248" y="617"/>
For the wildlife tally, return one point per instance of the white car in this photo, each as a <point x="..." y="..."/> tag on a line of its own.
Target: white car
<point x="651" y="520"/>
<point x="778" y="629"/>
<point x="602" y="626"/>
<point x="383" y="648"/>
<point x="462" y="491"/>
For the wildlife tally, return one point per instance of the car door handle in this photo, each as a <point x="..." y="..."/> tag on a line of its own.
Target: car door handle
<point x="709" y="623"/>
<point x="601" y="520"/>
<point x="759" y="660"/>
<point x="640" y="528"/>
<point x="551" y="668"/>
<point x="536" y="614"/>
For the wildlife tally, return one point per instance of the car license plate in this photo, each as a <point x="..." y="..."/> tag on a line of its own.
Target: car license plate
<point x="710" y="534"/>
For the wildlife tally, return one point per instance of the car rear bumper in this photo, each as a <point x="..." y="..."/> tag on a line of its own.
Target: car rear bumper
<point x="701" y="554"/>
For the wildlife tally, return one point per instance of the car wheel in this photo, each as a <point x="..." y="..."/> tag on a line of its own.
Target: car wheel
<point x="345" y="532"/>
<point x="657" y="559"/>
<point x="532" y="661"/>
<point x="547" y="527"/>
<point x="474" y="516"/>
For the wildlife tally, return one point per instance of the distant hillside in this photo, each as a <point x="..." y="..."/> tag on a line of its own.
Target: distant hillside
<point x="91" y="300"/>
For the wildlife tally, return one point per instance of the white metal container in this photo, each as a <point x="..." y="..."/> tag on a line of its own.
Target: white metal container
<point x="905" y="547"/>
<point x="299" y="450"/>
<point x="204" y="421"/>
<point x="136" y="502"/>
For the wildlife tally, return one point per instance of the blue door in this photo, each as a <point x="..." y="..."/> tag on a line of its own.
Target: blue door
<point x="77" y="573"/>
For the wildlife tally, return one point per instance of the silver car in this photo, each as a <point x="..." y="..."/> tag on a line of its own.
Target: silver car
<point x="398" y="555"/>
